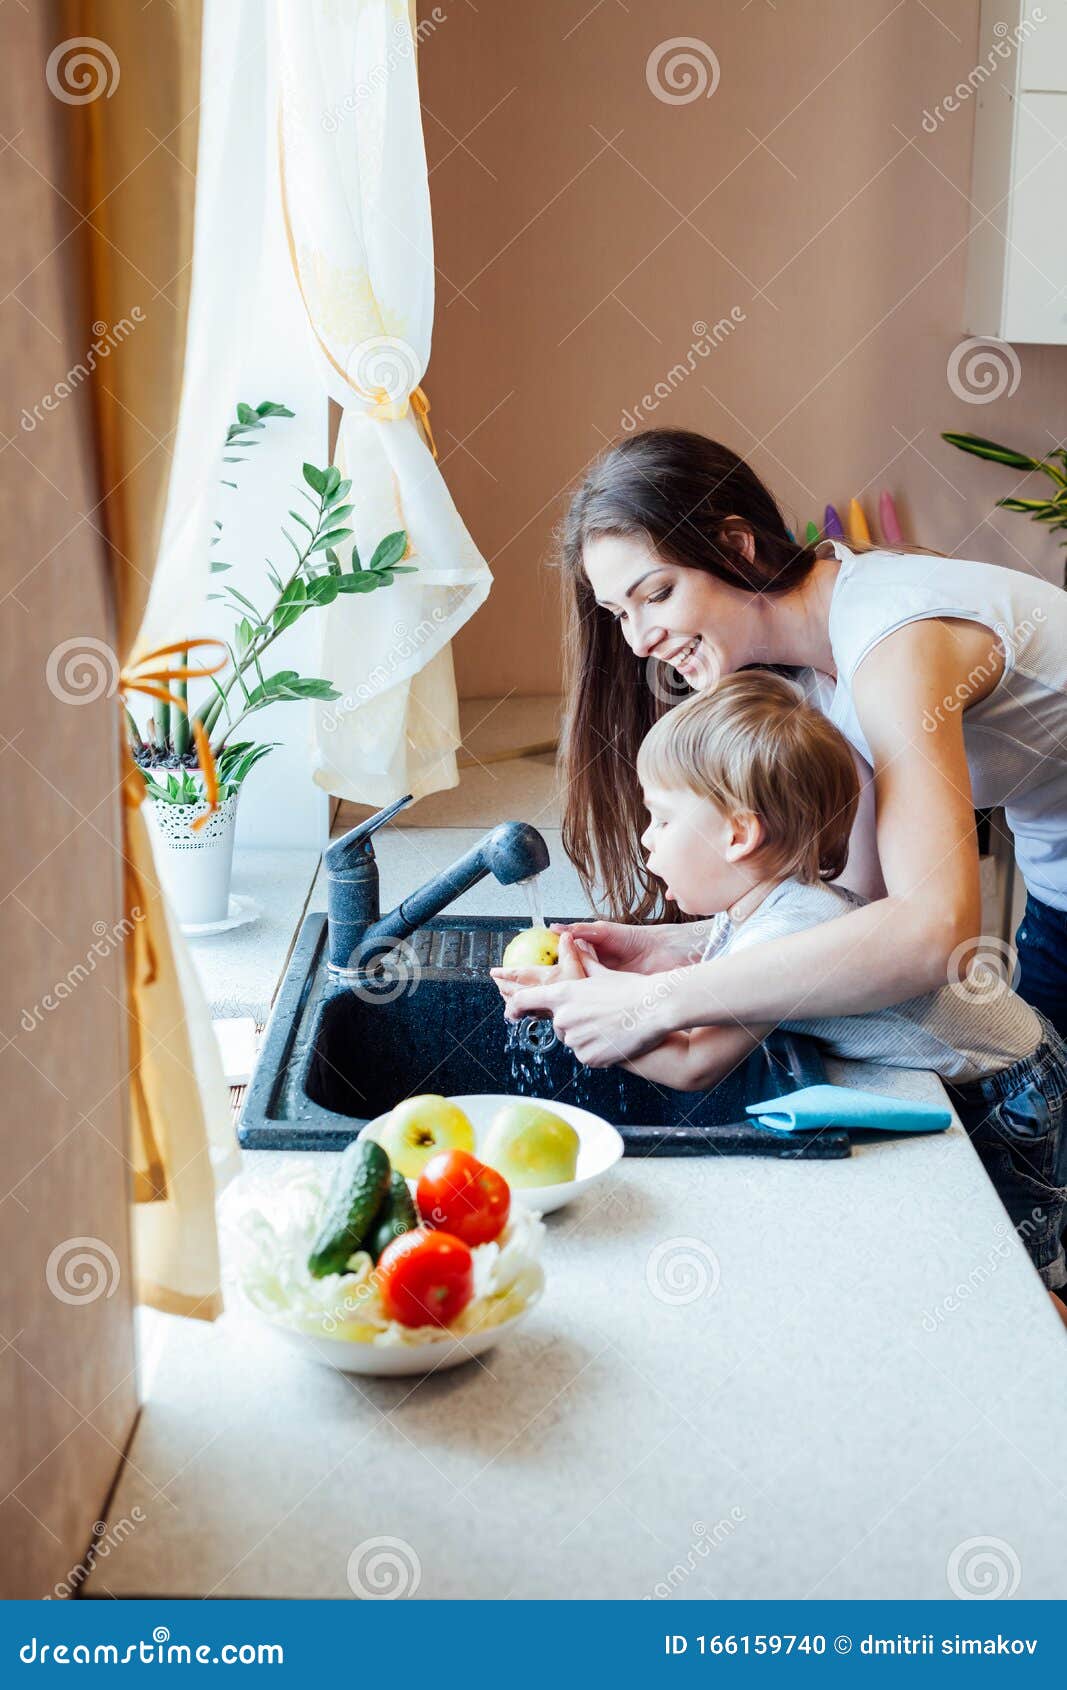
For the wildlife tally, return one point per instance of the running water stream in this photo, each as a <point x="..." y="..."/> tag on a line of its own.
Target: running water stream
<point x="534" y="906"/>
<point x="528" y="1040"/>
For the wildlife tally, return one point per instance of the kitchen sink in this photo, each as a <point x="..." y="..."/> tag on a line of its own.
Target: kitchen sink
<point x="340" y="1050"/>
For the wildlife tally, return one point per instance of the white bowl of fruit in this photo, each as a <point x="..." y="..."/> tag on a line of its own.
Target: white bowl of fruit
<point x="548" y="1152"/>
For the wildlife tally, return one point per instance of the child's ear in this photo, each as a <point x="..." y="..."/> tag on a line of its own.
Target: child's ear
<point x="746" y="836"/>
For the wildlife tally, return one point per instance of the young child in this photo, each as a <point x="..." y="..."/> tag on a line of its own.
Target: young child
<point x="751" y="793"/>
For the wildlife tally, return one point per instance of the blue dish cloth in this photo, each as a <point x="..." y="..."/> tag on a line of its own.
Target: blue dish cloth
<point x="813" y="1107"/>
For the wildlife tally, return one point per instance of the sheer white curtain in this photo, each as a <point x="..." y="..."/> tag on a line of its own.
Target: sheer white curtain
<point x="357" y="209"/>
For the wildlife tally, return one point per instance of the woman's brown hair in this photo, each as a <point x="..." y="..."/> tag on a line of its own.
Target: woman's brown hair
<point x="677" y="489"/>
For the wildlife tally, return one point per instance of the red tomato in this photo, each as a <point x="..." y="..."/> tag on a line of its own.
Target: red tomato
<point x="426" y="1278"/>
<point x="459" y="1194"/>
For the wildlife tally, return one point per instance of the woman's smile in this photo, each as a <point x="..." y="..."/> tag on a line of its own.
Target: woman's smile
<point x="692" y="657"/>
<point x="680" y="656"/>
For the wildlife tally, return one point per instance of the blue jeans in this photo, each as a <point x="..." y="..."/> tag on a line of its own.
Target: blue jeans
<point x="1041" y="943"/>
<point x="1017" y="1122"/>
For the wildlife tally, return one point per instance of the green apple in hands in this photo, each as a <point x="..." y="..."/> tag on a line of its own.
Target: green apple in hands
<point x="531" y="1146"/>
<point x="420" y="1127"/>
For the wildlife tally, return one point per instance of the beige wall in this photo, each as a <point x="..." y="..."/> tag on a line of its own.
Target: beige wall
<point x="582" y="226"/>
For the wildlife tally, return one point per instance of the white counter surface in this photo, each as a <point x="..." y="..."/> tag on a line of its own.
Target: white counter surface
<point x="867" y="1396"/>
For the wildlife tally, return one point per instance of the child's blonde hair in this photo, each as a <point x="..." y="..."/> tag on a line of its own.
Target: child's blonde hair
<point x="754" y="743"/>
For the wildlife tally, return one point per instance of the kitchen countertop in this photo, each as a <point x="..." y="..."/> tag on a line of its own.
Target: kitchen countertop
<point x="855" y="1387"/>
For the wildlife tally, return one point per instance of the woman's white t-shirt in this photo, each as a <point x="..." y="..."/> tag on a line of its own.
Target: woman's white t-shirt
<point x="1015" y="737"/>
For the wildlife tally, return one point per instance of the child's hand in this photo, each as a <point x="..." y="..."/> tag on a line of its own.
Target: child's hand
<point x="571" y="966"/>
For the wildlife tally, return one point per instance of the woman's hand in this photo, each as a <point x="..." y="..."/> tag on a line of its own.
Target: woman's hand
<point x="608" y="1017"/>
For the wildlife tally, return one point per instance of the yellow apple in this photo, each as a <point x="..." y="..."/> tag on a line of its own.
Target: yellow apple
<point x="530" y="1145"/>
<point x="534" y="946"/>
<point x="421" y="1126"/>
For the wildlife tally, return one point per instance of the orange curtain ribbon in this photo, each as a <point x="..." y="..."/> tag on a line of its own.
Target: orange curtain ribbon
<point x="136" y="678"/>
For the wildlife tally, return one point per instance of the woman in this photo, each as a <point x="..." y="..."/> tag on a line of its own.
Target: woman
<point x="951" y="684"/>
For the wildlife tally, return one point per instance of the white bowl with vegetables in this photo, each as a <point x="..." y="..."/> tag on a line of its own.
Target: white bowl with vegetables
<point x="336" y="1257"/>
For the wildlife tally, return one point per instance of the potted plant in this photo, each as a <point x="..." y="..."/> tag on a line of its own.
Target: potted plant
<point x="193" y="838"/>
<point x="1053" y="510"/>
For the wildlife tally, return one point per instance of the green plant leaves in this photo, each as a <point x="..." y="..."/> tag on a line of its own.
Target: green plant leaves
<point x="390" y="550"/>
<point x="361" y="581"/>
<point x="234" y="762"/>
<point x="324" y="589"/>
<point x="287" y="684"/>
<point x="1052" y="511"/>
<point x="990" y="450"/>
<point x="291" y="605"/>
<point x="331" y="537"/>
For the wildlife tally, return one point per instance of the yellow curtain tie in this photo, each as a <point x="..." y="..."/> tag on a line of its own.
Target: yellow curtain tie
<point x="385" y="409"/>
<point x="137" y="678"/>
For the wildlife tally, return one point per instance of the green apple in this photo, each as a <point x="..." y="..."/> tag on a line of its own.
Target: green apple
<point x="533" y="946"/>
<point x="530" y="1145"/>
<point x="421" y="1126"/>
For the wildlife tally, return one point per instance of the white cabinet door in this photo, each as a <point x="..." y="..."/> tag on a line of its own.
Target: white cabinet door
<point x="1043" y="54"/>
<point x="1035" y="305"/>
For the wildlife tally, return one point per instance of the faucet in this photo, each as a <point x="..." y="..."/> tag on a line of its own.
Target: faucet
<point x="512" y="851"/>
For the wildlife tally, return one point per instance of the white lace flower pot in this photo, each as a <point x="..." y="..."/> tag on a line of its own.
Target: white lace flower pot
<point x="194" y="868"/>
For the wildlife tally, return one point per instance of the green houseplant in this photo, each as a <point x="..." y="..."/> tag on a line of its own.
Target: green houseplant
<point x="1052" y="511"/>
<point x="195" y="858"/>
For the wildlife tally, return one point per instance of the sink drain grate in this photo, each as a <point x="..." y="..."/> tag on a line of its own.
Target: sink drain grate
<point x="460" y="950"/>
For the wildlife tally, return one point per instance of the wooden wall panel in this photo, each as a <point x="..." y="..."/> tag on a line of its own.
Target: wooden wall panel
<point x="67" y="1383"/>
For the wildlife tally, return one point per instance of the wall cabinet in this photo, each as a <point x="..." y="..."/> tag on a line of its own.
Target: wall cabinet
<point x="1017" y="255"/>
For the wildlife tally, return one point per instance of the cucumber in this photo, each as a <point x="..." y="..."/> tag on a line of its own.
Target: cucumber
<point x="396" y="1215"/>
<point x="352" y="1202"/>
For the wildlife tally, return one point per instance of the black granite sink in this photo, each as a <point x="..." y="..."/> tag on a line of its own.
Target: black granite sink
<point x="338" y="1052"/>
